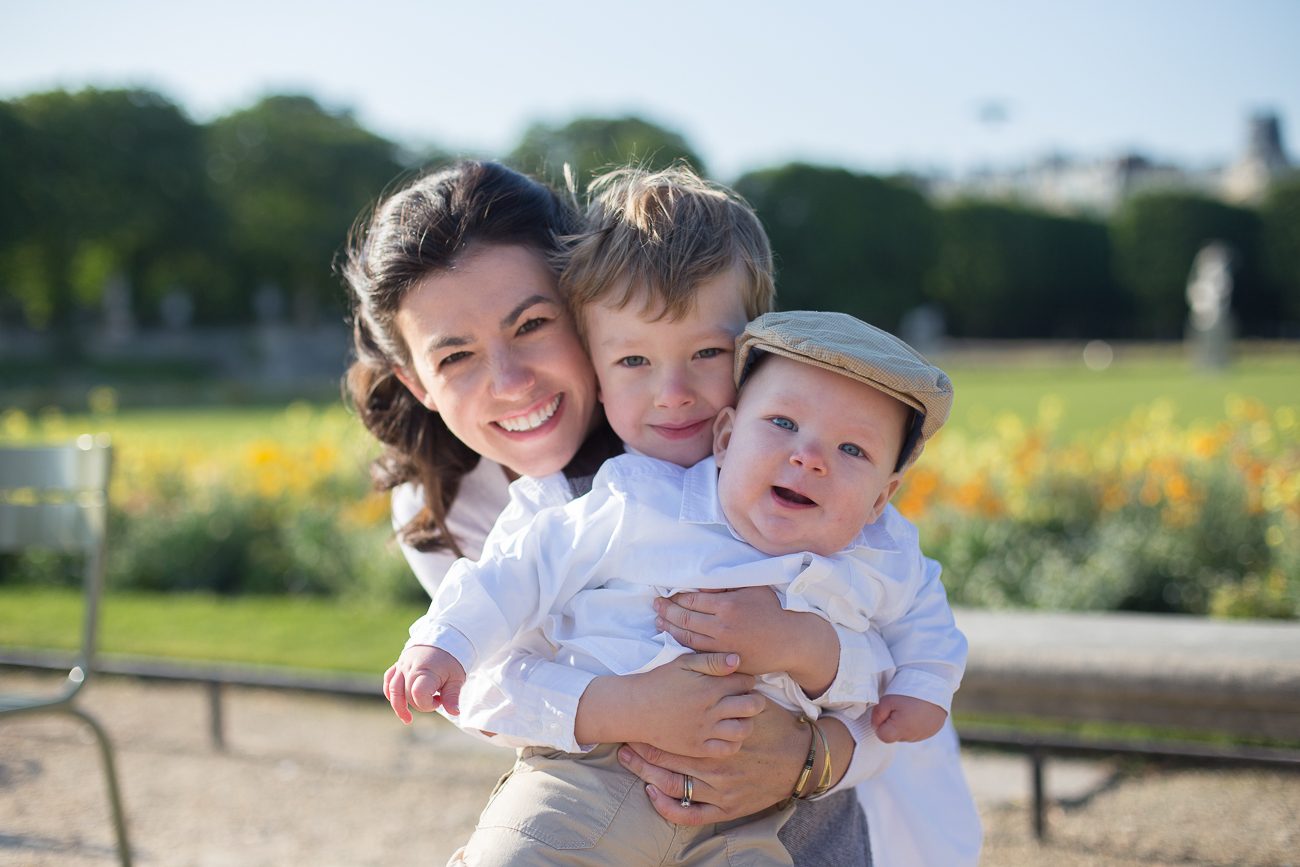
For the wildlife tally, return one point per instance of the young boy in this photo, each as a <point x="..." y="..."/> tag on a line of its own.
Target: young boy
<point x="808" y="461"/>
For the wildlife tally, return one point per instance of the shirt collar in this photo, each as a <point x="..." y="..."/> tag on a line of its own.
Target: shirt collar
<point x="700" y="505"/>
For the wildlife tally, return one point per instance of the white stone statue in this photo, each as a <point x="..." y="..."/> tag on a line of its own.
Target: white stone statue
<point x="1209" y="295"/>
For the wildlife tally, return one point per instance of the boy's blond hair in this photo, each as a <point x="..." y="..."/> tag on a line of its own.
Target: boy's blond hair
<point x="664" y="234"/>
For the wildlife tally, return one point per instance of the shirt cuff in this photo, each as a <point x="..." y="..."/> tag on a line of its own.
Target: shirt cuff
<point x="864" y="657"/>
<point x="447" y="638"/>
<point x="554" y="718"/>
<point x="871" y="756"/>
<point x="923" y="685"/>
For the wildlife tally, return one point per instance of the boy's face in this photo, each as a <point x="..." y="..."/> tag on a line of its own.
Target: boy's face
<point x="663" y="382"/>
<point x="807" y="457"/>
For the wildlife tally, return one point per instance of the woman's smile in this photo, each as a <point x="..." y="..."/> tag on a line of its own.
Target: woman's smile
<point x="534" y="417"/>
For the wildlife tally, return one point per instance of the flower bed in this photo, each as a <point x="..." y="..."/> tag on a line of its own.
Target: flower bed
<point x="1145" y="515"/>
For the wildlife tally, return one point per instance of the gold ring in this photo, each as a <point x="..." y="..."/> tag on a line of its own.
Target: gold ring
<point x="689" y="790"/>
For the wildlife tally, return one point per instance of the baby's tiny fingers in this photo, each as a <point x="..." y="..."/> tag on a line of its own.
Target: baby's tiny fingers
<point x="451" y="697"/>
<point x="888" y="733"/>
<point x="397" y="696"/>
<point x="423" y="689"/>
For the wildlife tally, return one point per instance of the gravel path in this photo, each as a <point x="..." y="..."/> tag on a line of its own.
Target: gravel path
<point x="323" y="781"/>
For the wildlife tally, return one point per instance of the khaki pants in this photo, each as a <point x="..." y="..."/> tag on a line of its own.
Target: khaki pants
<point x="587" y="810"/>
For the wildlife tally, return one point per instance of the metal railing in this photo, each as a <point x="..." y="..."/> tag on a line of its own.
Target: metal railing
<point x="1038" y="745"/>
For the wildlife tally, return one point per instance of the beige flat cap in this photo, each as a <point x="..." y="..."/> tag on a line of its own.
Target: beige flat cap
<point x="840" y="343"/>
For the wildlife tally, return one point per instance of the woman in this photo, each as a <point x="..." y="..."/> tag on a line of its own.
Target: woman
<point x="470" y="372"/>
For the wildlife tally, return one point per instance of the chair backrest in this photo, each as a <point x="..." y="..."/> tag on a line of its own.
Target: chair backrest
<point x="56" y="498"/>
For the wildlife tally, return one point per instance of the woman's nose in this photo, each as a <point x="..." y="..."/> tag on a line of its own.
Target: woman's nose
<point x="512" y="376"/>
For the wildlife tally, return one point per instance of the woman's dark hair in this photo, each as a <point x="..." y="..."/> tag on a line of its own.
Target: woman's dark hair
<point x="421" y="230"/>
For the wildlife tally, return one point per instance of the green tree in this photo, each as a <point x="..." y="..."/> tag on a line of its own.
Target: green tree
<point x="854" y="243"/>
<point x="292" y="177"/>
<point x="104" y="177"/>
<point x="1281" y="218"/>
<point x="1155" y="239"/>
<point x="591" y="145"/>
<point x="1008" y="272"/>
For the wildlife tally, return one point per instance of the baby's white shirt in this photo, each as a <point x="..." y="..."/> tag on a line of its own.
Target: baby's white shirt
<point x="575" y="580"/>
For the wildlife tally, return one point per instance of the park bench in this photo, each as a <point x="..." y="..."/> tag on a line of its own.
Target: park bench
<point x="1188" y="675"/>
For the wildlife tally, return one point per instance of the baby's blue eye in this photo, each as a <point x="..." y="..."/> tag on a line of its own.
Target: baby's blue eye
<point x="784" y="423"/>
<point x="851" y="449"/>
<point x="634" y="361"/>
<point x="707" y="353"/>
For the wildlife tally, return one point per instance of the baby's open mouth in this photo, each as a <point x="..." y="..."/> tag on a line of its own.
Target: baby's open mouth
<point x="792" y="497"/>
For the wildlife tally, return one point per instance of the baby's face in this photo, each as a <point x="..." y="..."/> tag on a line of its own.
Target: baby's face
<point x="662" y="381"/>
<point x="807" y="457"/>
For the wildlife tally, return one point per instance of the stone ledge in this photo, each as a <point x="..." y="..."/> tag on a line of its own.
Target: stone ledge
<point x="1234" y="677"/>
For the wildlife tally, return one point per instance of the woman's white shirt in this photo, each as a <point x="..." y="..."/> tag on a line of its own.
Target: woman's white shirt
<point x="484" y="492"/>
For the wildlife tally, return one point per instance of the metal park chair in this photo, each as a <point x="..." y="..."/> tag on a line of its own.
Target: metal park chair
<point x="57" y="499"/>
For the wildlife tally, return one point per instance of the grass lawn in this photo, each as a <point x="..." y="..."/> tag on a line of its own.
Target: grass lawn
<point x="305" y="633"/>
<point x="1090" y="399"/>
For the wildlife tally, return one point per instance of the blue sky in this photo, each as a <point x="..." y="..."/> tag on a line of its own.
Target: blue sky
<point x="873" y="86"/>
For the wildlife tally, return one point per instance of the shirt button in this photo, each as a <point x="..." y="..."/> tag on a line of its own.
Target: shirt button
<point x="797" y="587"/>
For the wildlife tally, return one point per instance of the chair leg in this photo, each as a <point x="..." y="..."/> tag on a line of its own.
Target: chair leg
<point x="114" y="795"/>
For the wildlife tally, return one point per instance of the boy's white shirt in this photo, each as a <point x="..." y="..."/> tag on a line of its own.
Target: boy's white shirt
<point x="577" y="578"/>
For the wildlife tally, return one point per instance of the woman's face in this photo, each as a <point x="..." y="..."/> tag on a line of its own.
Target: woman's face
<point x="494" y="352"/>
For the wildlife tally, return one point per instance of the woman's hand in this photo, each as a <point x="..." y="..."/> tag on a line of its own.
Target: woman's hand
<point x="751" y="622"/>
<point x="695" y="705"/>
<point x="761" y="774"/>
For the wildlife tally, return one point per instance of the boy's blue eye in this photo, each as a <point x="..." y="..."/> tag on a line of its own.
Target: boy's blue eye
<point x="634" y="361"/>
<point x="707" y="353"/>
<point x="851" y="449"/>
<point x="784" y="423"/>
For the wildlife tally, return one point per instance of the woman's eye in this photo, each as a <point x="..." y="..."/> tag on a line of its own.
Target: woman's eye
<point x="453" y="358"/>
<point x="634" y="361"/>
<point x="784" y="423"/>
<point x="707" y="353"/>
<point x="530" y="325"/>
<point x="851" y="449"/>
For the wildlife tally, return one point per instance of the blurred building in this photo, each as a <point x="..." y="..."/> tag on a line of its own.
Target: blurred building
<point x="1067" y="185"/>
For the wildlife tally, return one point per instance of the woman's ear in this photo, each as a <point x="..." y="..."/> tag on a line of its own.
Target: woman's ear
<point x="415" y="387"/>
<point x="723" y="425"/>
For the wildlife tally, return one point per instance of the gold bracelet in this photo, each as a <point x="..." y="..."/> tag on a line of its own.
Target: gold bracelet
<point x="827" y="774"/>
<point x="807" y="766"/>
<point x="824" y="783"/>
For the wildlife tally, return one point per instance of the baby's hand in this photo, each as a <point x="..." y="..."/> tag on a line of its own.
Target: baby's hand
<point x="751" y="622"/>
<point x="906" y="719"/>
<point x="425" y="677"/>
